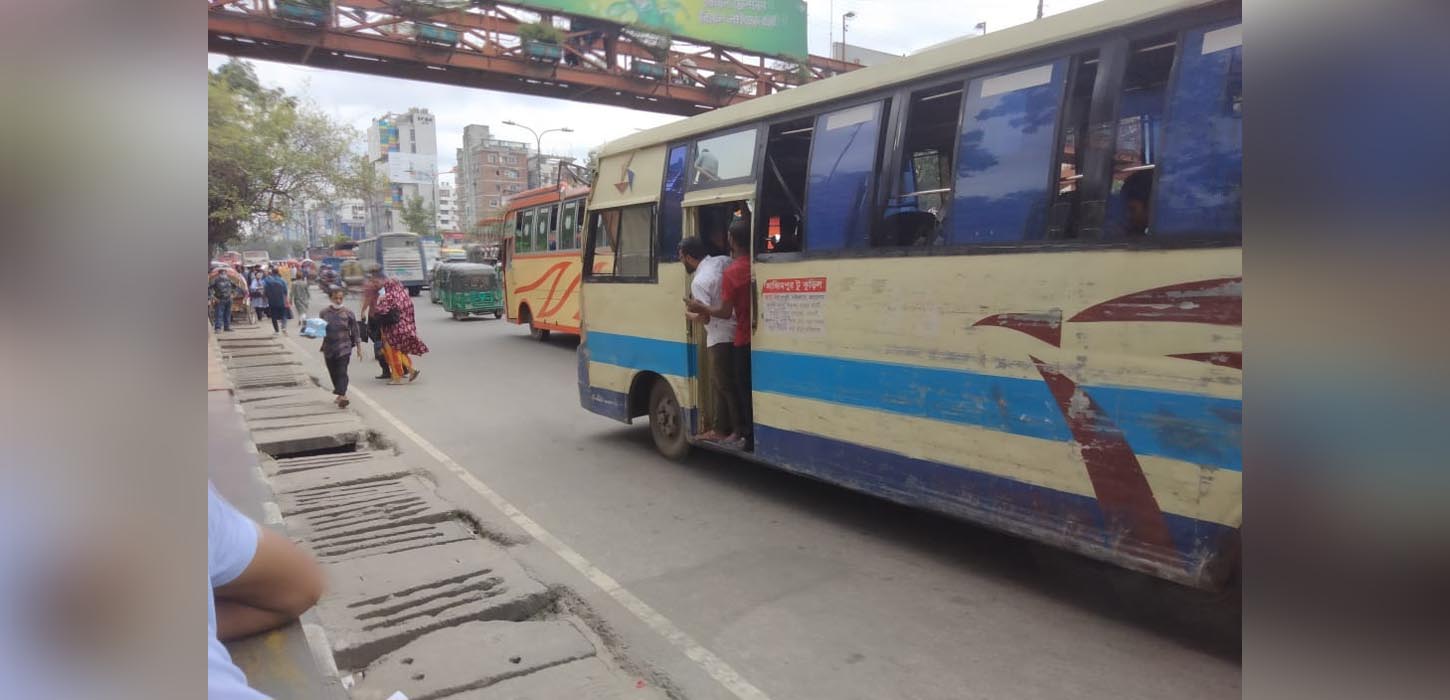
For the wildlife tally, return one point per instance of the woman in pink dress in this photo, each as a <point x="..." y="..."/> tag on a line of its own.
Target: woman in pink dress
<point x="400" y="331"/>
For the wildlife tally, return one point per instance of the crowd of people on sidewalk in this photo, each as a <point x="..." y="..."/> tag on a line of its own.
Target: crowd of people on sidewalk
<point x="386" y="316"/>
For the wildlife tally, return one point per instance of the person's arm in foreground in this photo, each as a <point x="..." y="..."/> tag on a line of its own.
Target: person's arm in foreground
<point x="281" y="582"/>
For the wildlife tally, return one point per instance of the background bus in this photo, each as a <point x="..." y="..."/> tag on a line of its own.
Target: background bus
<point x="960" y="302"/>
<point x="256" y="257"/>
<point x="400" y="255"/>
<point x="541" y="259"/>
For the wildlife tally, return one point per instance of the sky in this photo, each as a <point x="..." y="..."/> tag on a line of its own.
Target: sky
<point x="893" y="26"/>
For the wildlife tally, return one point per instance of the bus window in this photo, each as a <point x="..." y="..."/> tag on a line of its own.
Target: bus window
<point x="568" y="239"/>
<point x="1200" y="161"/>
<point x="1140" y="115"/>
<point x="1005" y="154"/>
<point x="723" y="158"/>
<point x="783" y="192"/>
<point x="672" y="219"/>
<point x="552" y="232"/>
<point x="541" y="229"/>
<point x="842" y="168"/>
<point x="923" y="189"/>
<point x="525" y="235"/>
<point x="629" y="233"/>
<point x="1067" y="199"/>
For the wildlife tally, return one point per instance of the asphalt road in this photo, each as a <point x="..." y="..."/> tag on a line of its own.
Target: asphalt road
<point x="806" y="589"/>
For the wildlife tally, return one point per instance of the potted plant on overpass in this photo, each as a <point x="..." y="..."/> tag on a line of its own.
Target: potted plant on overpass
<point x="542" y="41"/>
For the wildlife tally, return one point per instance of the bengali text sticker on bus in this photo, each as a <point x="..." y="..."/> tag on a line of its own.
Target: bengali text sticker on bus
<point x="794" y="306"/>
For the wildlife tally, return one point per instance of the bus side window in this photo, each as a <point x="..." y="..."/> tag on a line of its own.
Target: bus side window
<point x="923" y="188"/>
<point x="566" y="229"/>
<point x="553" y="231"/>
<point x="842" y="174"/>
<point x="672" y="218"/>
<point x="1064" y="217"/>
<point x="541" y="229"/>
<point x="783" y="189"/>
<point x="1005" y="155"/>
<point x="1200" y="162"/>
<point x="1140" y="117"/>
<point x="525" y="234"/>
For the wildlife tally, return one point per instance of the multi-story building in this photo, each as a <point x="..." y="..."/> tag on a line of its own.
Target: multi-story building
<point x="548" y="168"/>
<point x="407" y="143"/>
<point x="447" y="218"/>
<point x="489" y="170"/>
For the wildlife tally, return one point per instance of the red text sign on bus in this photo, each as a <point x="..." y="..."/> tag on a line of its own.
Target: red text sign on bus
<point x="795" y="285"/>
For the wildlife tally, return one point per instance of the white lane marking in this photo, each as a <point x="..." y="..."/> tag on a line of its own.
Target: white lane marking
<point x="706" y="659"/>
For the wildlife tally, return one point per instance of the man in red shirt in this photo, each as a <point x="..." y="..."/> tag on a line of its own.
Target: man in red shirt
<point x="735" y="301"/>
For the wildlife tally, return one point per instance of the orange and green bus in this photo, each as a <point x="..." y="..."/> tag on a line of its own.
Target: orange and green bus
<point x="542" y="259"/>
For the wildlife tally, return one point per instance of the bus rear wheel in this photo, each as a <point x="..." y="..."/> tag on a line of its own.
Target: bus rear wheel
<point x="667" y="421"/>
<point x="537" y="333"/>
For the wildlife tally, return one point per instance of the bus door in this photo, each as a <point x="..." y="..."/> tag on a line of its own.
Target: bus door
<point x="709" y="222"/>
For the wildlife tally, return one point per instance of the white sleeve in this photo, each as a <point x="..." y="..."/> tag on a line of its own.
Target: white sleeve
<point x="231" y="539"/>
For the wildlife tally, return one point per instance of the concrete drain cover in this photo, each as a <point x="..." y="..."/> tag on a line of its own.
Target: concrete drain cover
<point x="382" y="602"/>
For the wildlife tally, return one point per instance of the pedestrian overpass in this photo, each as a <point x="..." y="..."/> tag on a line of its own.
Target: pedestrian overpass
<point x="494" y="46"/>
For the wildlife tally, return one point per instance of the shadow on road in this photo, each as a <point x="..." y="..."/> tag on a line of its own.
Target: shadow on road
<point x="1205" y="621"/>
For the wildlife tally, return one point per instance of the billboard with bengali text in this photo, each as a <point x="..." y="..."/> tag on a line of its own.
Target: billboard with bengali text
<point x="412" y="168"/>
<point x="769" y="27"/>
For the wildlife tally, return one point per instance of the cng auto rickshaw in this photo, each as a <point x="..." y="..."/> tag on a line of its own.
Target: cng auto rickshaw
<point x="471" y="288"/>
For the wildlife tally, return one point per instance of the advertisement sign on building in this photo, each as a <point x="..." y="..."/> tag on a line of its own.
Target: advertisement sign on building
<point x="769" y="27"/>
<point x="412" y="168"/>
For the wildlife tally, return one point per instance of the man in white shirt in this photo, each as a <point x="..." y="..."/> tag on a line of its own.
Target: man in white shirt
<point x="259" y="580"/>
<point x="705" y="287"/>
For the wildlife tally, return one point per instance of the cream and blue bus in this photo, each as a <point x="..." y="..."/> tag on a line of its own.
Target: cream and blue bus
<point x="1000" y="279"/>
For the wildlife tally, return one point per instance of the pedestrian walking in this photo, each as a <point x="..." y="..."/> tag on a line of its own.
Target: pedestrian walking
<point x="274" y="292"/>
<point x="343" y="336"/>
<point x="222" y="291"/>
<point x="371" y="289"/>
<point x="301" y="295"/>
<point x="259" y="300"/>
<point x="400" y="331"/>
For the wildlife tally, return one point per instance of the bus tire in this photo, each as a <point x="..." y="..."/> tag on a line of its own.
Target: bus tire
<point x="498" y="314"/>
<point x="414" y="291"/>
<point x="537" y="333"/>
<point x="667" y="421"/>
<point x="459" y="315"/>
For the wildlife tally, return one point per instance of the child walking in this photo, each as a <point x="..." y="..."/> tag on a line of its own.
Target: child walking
<point x="338" y="343"/>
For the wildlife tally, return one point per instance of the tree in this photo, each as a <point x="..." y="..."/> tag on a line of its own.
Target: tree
<point x="266" y="151"/>
<point x="362" y="178"/>
<point x="419" y="217"/>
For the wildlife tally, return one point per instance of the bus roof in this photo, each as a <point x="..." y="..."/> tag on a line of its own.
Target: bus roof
<point x="544" y="195"/>
<point x="941" y="58"/>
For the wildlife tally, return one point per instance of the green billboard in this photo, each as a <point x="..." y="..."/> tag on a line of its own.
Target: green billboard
<point x="769" y="27"/>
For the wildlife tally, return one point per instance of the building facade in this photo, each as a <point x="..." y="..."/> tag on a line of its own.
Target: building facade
<point x="447" y="216"/>
<point x="406" y="146"/>
<point x="489" y="170"/>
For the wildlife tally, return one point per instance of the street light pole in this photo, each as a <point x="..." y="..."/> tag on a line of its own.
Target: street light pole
<point x="536" y="174"/>
<point x="844" y="17"/>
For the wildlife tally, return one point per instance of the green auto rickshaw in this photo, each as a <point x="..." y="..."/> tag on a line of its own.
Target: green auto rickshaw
<point x="472" y="288"/>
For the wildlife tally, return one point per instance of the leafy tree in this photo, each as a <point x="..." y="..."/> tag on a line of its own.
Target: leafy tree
<point x="266" y="151"/>
<point x="419" y="217"/>
<point x="363" y="179"/>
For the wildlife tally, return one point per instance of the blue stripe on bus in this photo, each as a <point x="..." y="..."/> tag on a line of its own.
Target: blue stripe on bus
<point x="634" y="352"/>
<point x="1198" y="429"/>
<point x="993" y="500"/>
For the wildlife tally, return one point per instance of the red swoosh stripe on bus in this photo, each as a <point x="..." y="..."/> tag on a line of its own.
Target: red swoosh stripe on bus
<point x="556" y="269"/>
<point x="1122" y="490"/>
<point x="1216" y="301"/>
<point x="1045" y="327"/>
<point x="551" y="310"/>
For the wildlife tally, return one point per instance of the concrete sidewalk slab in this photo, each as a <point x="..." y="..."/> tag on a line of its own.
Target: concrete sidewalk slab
<point x="262" y="377"/>
<point x="585" y="679"/>
<point x="345" y="433"/>
<point x="265" y="360"/>
<point x="472" y="655"/>
<point x="370" y="518"/>
<point x="253" y="351"/>
<point x="282" y="396"/>
<point x="381" y="603"/>
<point x="314" y="404"/>
<point x="323" y="471"/>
